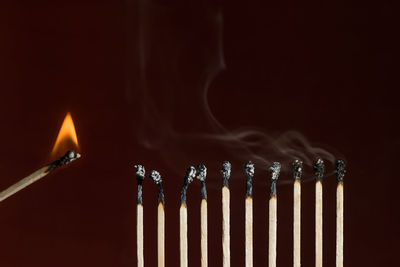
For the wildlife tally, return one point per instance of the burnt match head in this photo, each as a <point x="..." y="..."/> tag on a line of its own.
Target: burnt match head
<point x="226" y="173"/>
<point x="140" y="172"/>
<point x="201" y="175"/>
<point x="340" y="170"/>
<point x="226" y="169"/>
<point x="190" y="175"/>
<point x="156" y="177"/>
<point x="68" y="157"/>
<point x="319" y="168"/>
<point x="275" y="170"/>
<point x="297" y="169"/>
<point x="201" y="172"/>
<point x="249" y="168"/>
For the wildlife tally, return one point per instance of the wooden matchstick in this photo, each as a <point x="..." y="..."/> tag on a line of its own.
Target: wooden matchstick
<point x="201" y="175"/>
<point x="273" y="214"/>
<point x="297" y="171"/>
<point x="156" y="177"/>
<point x="249" y="170"/>
<point x="190" y="175"/>
<point x="339" y="171"/>
<point x="226" y="252"/>
<point x="319" y="172"/>
<point x="140" y="174"/>
<point x="64" y="160"/>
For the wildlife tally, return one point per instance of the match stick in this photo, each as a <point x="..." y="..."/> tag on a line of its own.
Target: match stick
<point x="273" y="216"/>
<point x="190" y="175"/>
<point x="297" y="171"/>
<point x="156" y="177"/>
<point x="319" y="172"/>
<point x="226" y="251"/>
<point x="249" y="170"/>
<point x="201" y="175"/>
<point x="140" y="174"/>
<point x="62" y="161"/>
<point x="339" y="171"/>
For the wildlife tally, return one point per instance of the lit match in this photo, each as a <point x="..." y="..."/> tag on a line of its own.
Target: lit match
<point x="275" y="170"/>
<point x="249" y="170"/>
<point x="156" y="177"/>
<point x="190" y="175"/>
<point x="140" y="174"/>
<point x="226" y="251"/>
<point x="201" y="175"/>
<point x="319" y="172"/>
<point x="64" y="160"/>
<point x="65" y="140"/>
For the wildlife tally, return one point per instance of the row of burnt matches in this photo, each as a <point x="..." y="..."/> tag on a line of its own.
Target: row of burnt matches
<point x="274" y="170"/>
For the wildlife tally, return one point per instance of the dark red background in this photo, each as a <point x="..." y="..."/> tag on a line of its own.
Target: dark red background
<point x="134" y="75"/>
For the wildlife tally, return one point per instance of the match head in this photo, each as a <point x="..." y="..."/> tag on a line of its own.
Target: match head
<point x="68" y="157"/>
<point x="201" y="172"/>
<point x="297" y="169"/>
<point x="156" y="177"/>
<point x="140" y="172"/>
<point x="319" y="168"/>
<point x="249" y="168"/>
<point x="190" y="175"/>
<point x="275" y="170"/>
<point x="340" y="170"/>
<point x="226" y="169"/>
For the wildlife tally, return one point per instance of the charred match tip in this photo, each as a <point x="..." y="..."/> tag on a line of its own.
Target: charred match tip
<point x="68" y="157"/>
<point x="249" y="169"/>
<point x="340" y="170"/>
<point x="140" y="172"/>
<point x="275" y="170"/>
<point x="297" y="169"/>
<point x="156" y="177"/>
<point x="226" y="173"/>
<point x="189" y="176"/>
<point x="201" y="172"/>
<point x="319" y="168"/>
<point x="201" y="175"/>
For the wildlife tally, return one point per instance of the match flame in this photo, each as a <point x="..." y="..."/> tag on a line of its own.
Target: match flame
<point x="66" y="139"/>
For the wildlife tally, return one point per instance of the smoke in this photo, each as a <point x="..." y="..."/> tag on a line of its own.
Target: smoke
<point x="180" y="52"/>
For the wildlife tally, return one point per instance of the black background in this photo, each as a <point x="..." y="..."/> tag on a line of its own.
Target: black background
<point x="169" y="84"/>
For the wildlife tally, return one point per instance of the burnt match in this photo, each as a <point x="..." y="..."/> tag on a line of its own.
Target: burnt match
<point x="201" y="175"/>
<point x="68" y="157"/>
<point x="226" y="252"/>
<point x="297" y="172"/>
<point x="275" y="170"/>
<point x="340" y="172"/>
<point x="249" y="171"/>
<point x="190" y="175"/>
<point x="319" y="172"/>
<point x="140" y="174"/>
<point x="156" y="177"/>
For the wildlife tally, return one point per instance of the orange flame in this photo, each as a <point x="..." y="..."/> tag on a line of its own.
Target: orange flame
<point x="67" y="138"/>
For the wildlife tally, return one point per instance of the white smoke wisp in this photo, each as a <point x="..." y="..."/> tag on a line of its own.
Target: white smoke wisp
<point x="170" y="56"/>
